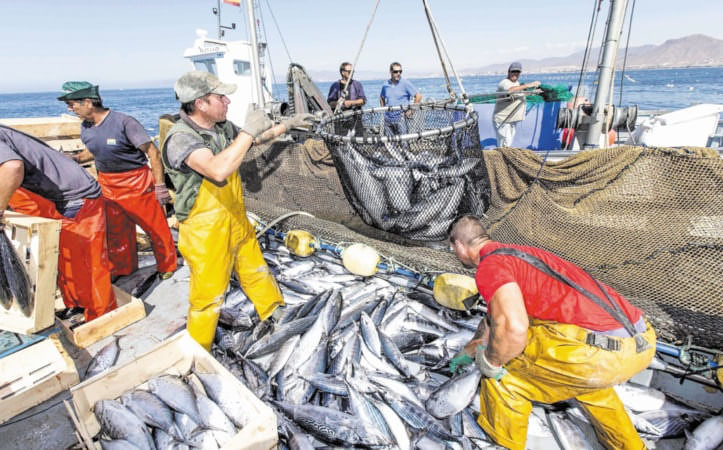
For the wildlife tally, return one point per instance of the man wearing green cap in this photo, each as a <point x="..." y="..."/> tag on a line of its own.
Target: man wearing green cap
<point x="202" y="154"/>
<point x="121" y="149"/>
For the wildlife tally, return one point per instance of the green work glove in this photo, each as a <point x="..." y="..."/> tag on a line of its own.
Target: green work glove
<point x="299" y="120"/>
<point x="460" y="361"/>
<point x="488" y="369"/>
<point x="256" y="123"/>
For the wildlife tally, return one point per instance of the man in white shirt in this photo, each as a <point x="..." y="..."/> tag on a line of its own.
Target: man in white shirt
<point x="510" y="109"/>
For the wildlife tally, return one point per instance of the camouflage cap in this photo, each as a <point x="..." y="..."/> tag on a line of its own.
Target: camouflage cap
<point x="77" y="90"/>
<point x="197" y="83"/>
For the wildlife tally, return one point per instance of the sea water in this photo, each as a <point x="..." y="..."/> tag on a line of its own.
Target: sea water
<point x="659" y="89"/>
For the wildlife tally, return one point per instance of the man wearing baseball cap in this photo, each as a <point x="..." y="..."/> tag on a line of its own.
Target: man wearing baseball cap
<point x="122" y="149"/>
<point x="202" y="154"/>
<point x="510" y="109"/>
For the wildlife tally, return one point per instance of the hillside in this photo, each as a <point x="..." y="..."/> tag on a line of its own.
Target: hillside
<point x="694" y="50"/>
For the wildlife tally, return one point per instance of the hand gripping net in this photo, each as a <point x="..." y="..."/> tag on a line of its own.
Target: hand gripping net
<point x="409" y="170"/>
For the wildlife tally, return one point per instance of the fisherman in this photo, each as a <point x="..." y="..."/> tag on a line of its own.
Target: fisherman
<point x="552" y="333"/>
<point x="397" y="91"/>
<point x="39" y="181"/>
<point x="202" y="154"/>
<point x="510" y="109"/>
<point x="355" y="99"/>
<point x="121" y="149"/>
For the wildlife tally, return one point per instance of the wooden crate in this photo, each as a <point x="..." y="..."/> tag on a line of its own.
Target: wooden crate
<point x="33" y="375"/>
<point x="82" y="334"/>
<point x="36" y="242"/>
<point x="176" y="356"/>
<point x="45" y="128"/>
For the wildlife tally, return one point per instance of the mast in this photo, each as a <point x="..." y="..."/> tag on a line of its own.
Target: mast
<point x="218" y="17"/>
<point x="606" y="72"/>
<point x="256" y="67"/>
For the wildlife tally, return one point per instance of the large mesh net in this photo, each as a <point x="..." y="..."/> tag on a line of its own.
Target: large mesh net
<point x="408" y="170"/>
<point x="646" y="221"/>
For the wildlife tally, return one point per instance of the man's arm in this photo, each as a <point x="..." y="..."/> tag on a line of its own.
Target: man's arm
<point x="154" y="157"/>
<point x="220" y="166"/>
<point x="12" y="173"/>
<point x="84" y="156"/>
<point x="417" y="97"/>
<point x="522" y="87"/>
<point x="508" y="324"/>
<point x="381" y="101"/>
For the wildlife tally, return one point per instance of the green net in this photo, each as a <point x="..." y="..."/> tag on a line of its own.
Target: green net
<point x="550" y="93"/>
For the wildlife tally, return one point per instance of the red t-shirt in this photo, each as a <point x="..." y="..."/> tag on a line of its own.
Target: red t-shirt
<point x="546" y="298"/>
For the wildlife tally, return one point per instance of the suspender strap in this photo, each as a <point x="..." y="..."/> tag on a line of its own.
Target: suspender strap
<point x="611" y="308"/>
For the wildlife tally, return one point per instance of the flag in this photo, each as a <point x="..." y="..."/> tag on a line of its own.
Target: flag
<point x="233" y="2"/>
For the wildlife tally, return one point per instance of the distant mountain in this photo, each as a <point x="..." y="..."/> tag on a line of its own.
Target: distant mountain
<point x="695" y="50"/>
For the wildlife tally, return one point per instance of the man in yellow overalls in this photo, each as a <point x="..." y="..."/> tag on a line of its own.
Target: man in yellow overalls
<point x="202" y="154"/>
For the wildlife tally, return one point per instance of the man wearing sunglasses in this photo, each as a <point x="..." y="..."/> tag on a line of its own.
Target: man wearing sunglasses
<point x="510" y="109"/>
<point x="354" y="99"/>
<point x="397" y="91"/>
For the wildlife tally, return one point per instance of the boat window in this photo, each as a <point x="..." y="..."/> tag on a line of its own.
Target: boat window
<point x="207" y="65"/>
<point x="241" y="67"/>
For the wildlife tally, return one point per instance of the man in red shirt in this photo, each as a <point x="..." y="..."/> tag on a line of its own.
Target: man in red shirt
<point x="552" y="333"/>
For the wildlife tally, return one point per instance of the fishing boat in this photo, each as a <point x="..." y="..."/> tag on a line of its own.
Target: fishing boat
<point x="684" y="371"/>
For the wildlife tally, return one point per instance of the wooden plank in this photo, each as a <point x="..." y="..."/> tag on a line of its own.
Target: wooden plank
<point x="36" y="241"/>
<point x="129" y="310"/>
<point x="33" y="375"/>
<point x="46" y="127"/>
<point x="176" y="356"/>
<point x="70" y="145"/>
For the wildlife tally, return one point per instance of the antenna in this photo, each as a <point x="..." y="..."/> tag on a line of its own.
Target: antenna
<point x="221" y="28"/>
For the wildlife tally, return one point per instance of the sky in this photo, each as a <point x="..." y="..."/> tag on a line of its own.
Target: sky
<point x="139" y="43"/>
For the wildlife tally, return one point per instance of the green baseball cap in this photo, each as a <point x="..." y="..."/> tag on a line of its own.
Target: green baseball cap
<point x="77" y="90"/>
<point x="197" y="83"/>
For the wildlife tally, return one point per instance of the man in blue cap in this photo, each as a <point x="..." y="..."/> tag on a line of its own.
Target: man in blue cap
<point x="122" y="148"/>
<point x="510" y="109"/>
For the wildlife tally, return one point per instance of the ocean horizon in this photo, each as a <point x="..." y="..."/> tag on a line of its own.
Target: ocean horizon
<point x="650" y="89"/>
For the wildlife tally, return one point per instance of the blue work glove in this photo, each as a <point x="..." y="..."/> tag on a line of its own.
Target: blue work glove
<point x="488" y="370"/>
<point x="455" y="366"/>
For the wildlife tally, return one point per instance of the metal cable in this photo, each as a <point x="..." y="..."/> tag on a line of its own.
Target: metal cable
<point x="268" y="51"/>
<point x="283" y="42"/>
<point x="465" y="98"/>
<point x="345" y="92"/>
<point x="625" y="58"/>
<point x="430" y="21"/>
<point x="590" y="33"/>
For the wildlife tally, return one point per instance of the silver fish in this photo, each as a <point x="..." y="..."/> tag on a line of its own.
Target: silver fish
<point x="708" y="435"/>
<point x="214" y="418"/>
<point x="568" y="435"/>
<point x="104" y="359"/>
<point x="228" y="397"/>
<point x="454" y="395"/>
<point x="118" y="422"/>
<point x="151" y="410"/>
<point x="176" y="394"/>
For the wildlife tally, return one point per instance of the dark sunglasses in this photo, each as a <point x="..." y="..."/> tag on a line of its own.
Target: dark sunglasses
<point x="344" y="70"/>
<point x="396" y="71"/>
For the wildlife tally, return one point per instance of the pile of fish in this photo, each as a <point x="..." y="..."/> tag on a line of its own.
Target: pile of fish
<point x="15" y="285"/>
<point x="353" y="361"/>
<point x="199" y="410"/>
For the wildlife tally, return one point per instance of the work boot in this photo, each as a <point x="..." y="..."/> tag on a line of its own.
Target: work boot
<point x="165" y="275"/>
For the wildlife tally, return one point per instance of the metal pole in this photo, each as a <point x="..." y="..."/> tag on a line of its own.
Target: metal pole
<point x="218" y="16"/>
<point x="255" y="66"/>
<point x="607" y="65"/>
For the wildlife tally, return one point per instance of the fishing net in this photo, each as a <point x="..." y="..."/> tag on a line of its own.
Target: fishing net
<point x="408" y="170"/>
<point x="646" y="221"/>
<point x="550" y="93"/>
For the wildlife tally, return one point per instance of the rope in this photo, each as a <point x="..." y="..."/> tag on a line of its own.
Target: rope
<point x="268" y="52"/>
<point x="465" y="98"/>
<point x="345" y="92"/>
<point x="586" y="55"/>
<point x="283" y="42"/>
<point x="625" y="58"/>
<point x="451" y="92"/>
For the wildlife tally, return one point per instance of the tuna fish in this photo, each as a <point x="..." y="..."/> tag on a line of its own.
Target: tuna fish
<point x="118" y="422"/>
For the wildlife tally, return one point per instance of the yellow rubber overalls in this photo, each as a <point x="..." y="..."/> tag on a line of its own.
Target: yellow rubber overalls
<point x="215" y="238"/>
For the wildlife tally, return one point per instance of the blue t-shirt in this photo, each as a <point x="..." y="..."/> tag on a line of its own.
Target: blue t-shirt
<point x="401" y="93"/>
<point x="356" y="91"/>
<point x="114" y="142"/>
<point x="48" y="172"/>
